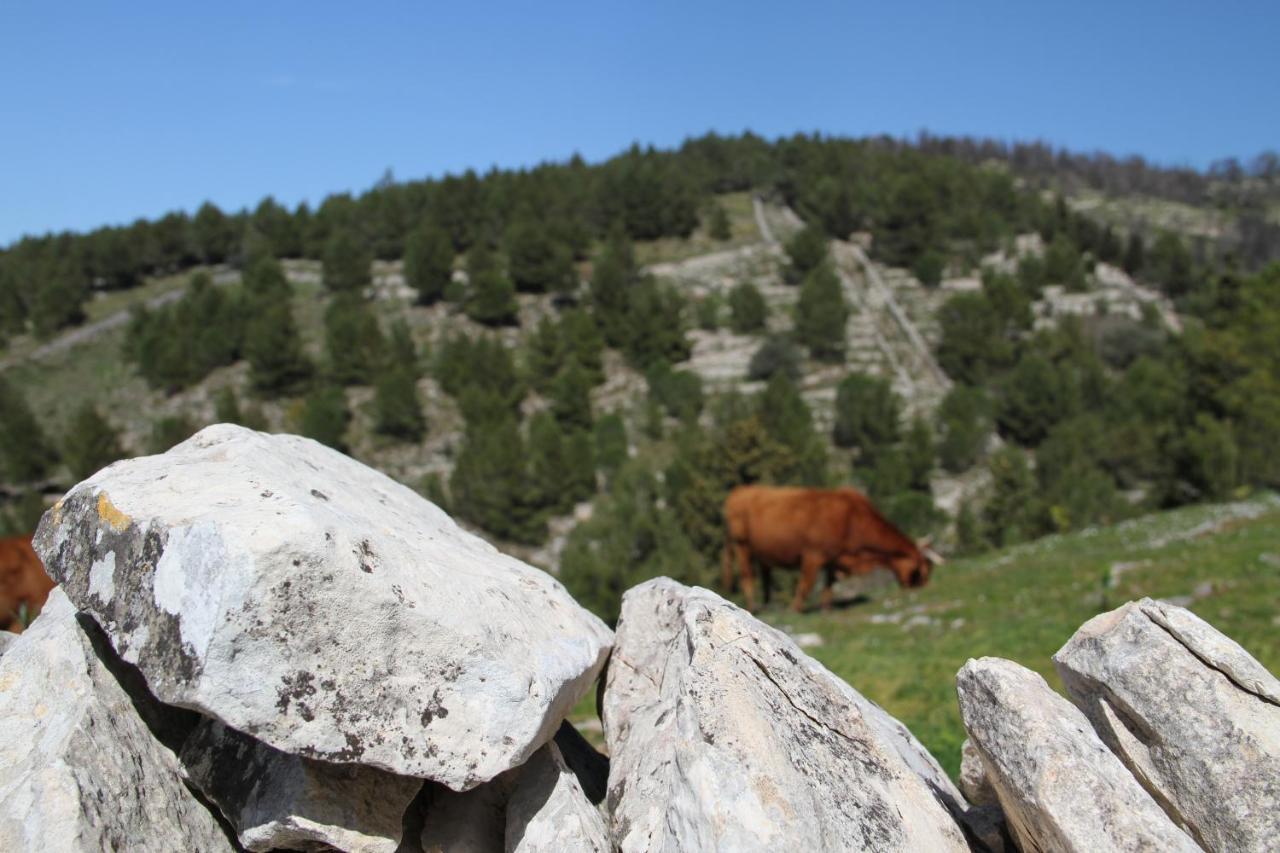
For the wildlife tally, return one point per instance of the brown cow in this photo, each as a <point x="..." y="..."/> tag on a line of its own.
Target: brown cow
<point x="838" y="529"/>
<point x="24" y="586"/>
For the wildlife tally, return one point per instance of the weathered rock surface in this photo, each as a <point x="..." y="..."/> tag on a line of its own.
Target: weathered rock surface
<point x="724" y="735"/>
<point x="974" y="783"/>
<point x="548" y="812"/>
<point x="79" y="769"/>
<point x="1189" y="712"/>
<point x="540" y="807"/>
<point x="278" y="800"/>
<point x="318" y="606"/>
<point x="1060" y="787"/>
<point x="6" y="640"/>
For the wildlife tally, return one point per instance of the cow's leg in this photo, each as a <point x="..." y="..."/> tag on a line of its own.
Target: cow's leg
<point x="828" y="591"/>
<point x="746" y="575"/>
<point x="810" y="565"/>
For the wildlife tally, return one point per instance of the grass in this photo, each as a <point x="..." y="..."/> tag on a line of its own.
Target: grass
<point x="902" y="648"/>
<point x="742" y="231"/>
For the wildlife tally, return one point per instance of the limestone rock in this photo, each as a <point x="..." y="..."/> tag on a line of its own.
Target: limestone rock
<point x="6" y="640"/>
<point x="974" y="783"/>
<point x="278" y="800"/>
<point x="1060" y="787"/>
<point x="1189" y="712"/>
<point x="320" y="607"/>
<point x="724" y="735"/>
<point x="548" y="812"/>
<point x="79" y="769"/>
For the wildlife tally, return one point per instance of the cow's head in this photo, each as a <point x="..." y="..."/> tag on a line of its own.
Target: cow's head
<point x="913" y="570"/>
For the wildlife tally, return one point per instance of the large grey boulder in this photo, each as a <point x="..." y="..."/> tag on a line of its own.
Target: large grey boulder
<point x="1060" y="788"/>
<point x="79" y="768"/>
<point x="278" y="800"/>
<point x="320" y="607"/>
<point x="1189" y="712"/>
<point x="723" y="735"/>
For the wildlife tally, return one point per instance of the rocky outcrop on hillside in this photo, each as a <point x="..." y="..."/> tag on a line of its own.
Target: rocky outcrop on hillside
<point x="261" y="644"/>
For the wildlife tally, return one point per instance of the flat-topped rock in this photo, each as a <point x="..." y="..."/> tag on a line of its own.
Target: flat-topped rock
<point x="318" y="606"/>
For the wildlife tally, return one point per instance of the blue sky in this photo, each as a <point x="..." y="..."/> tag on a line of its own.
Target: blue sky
<point x="111" y="111"/>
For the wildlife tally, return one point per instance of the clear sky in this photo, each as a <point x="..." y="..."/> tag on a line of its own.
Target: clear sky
<point x="111" y="111"/>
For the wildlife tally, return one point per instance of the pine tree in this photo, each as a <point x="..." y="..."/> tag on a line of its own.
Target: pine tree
<point x="428" y="263"/>
<point x="571" y="397"/>
<point x="325" y="417"/>
<point x="612" y="279"/>
<point x="821" y="313"/>
<point x="867" y="414"/>
<point x="91" y="442"/>
<point x="353" y="340"/>
<point x="549" y="464"/>
<point x="806" y="251"/>
<point x="277" y="364"/>
<point x="718" y="223"/>
<point x="491" y="297"/>
<point x="964" y="421"/>
<point x="397" y="411"/>
<point x="747" y="308"/>
<point x="347" y="262"/>
<point x="491" y="486"/>
<point x="171" y="430"/>
<point x="610" y="442"/>
<point x="25" y="454"/>
<point x="538" y="263"/>
<point x="787" y="419"/>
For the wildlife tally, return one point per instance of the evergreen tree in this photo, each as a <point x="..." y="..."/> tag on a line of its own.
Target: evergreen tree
<point x="679" y="392"/>
<point x="964" y="422"/>
<point x="571" y="397"/>
<point x="1035" y="396"/>
<point x="91" y="442"/>
<point x="491" y="297"/>
<point x="787" y="419"/>
<point x="612" y="278"/>
<point x="748" y="310"/>
<point x="1012" y="511"/>
<point x="655" y="329"/>
<point x="718" y="223"/>
<point x="973" y="344"/>
<point x="397" y="411"/>
<point x="347" y="262"/>
<point x="1170" y="267"/>
<point x="491" y="485"/>
<point x="25" y="454"/>
<point x="929" y="267"/>
<point x="867" y="414"/>
<point x="428" y="263"/>
<point x="325" y="417"/>
<point x="610" y="442"/>
<point x="538" y="262"/>
<point x="919" y="452"/>
<point x="806" y="251"/>
<point x="354" y="342"/>
<point x="776" y="355"/>
<point x="277" y="364"/>
<point x="821" y="314"/>
<point x="227" y="410"/>
<point x="213" y="234"/>
<point x="171" y="430"/>
<point x="1134" y="255"/>
<point x="1064" y="264"/>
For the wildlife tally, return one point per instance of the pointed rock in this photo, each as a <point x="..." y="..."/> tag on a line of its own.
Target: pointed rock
<point x="322" y="608"/>
<point x="1191" y="714"/>
<point x="724" y="735"/>
<point x="1061" y="789"/>
<point x="79" y="769"/>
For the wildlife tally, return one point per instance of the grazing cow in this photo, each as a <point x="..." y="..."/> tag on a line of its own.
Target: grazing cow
<point x="836" y="529"/>
<point x="24" y="586"/>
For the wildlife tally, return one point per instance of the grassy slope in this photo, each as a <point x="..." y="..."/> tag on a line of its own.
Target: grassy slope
<point x="903" y="648"/>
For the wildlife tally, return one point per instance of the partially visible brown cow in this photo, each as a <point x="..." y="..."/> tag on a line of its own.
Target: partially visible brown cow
<point x="836" y="529"/>
<point x="24" y="586"/>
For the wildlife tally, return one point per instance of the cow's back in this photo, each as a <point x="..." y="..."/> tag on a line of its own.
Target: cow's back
<point x="23" y="581"/>
<point x="779" y="523"/>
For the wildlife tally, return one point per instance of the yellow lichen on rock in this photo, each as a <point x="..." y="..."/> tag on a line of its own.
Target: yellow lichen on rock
<point x="107" y="512"/>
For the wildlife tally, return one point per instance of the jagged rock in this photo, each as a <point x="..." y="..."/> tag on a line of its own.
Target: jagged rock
<point x="548" y="812"/>
<point x="278" y="800"/>
<point x="318" y="606"/>
<point x="724" y="735"/>
<point x="540" y="807"/>
<point x="1189" y="712"/>
<point x="6" y="640"/>
<point x="79" y="769"/>
<point x="1061" y="789"/>
<point x="974" y="783"/>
